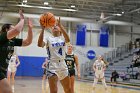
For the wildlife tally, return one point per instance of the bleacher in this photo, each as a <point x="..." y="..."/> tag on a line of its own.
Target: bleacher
<point x="120" y="60"/>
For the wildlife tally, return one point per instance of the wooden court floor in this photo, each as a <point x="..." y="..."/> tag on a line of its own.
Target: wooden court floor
<point x="35" y="85"/>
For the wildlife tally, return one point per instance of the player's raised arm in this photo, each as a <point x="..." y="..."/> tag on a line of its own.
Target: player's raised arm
<point x="29" y="37"/>
<point x="77" y="66"/>
<point x="62" y="29"/>
<point x="41" y="43"/>
<point x="15" y="30"/>
<point x="17" y="61"/>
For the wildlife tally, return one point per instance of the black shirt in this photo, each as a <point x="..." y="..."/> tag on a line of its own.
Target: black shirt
<point x="115" y="74"/>
<point x="7" y="49"/>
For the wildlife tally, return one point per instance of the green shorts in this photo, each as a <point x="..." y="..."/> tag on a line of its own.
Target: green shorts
<point x="71" y="72"/>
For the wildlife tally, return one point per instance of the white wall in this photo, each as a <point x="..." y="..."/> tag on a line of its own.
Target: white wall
<point x="33" y="49"/>
<point x="81" y="52"/>
<point x="91" y="37"/>
<point x="123" y="34"/>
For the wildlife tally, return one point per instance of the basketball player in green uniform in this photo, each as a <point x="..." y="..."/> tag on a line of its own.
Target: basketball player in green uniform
<point x="71" y="60"/>
<point x="8" y="40"/>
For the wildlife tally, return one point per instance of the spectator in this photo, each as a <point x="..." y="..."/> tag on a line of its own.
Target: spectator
<point x="124" y="76"/>
<point x="137" y="75"/>
<point x="114" y="76"/>
<point x="130" y="45"/>
<point x="134" y="60"/>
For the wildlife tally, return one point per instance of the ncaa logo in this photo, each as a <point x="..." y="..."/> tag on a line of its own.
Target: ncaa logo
<point x="91" y="54"/>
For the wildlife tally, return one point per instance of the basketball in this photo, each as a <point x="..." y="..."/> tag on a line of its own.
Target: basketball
<point x="47" y="20"/>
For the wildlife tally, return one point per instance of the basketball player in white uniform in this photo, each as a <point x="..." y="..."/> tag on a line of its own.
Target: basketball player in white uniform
<point x="44" y="66"/>
<point x="44" y="78"/>
<point x="12" y="68"/>
<point x="57" y="69"/>
<point x="99" y="68"/>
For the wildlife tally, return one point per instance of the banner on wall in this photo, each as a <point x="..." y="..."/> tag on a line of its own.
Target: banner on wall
<point x="91" y="55"/>
<point x="81" y="35"/>
<point x="104" y="36"/>
<point x="30" y="66"/>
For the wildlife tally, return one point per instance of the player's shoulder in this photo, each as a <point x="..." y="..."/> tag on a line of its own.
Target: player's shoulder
<point x="48" y="39"/>
<point x="102" y="62"/>
<point x="15" y="55"/>
<point x="96" y="61"/>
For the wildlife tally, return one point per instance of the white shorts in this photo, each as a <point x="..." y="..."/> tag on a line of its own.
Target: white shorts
<point x="12" y="68"/>
<point x="57" y="67"/>
<point x="99" y="75"/>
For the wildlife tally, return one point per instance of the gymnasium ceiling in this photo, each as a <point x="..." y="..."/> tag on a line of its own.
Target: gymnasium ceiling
<point x="122" y="10"/>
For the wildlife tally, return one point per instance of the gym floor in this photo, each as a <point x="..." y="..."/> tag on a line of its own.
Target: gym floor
<point x="35" y="85"/>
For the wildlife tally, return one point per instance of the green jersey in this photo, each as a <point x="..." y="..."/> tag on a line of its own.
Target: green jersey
<point x="7" y="49"/>
<point x="70" y="60"/>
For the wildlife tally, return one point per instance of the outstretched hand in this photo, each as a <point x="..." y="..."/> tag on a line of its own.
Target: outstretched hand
<point x="30" y="24"/>
<point x="79" y="76"/>
<point x="58" y="22"/>
<point x="21" y="14"/>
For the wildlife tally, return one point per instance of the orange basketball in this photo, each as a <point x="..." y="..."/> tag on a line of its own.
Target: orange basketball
<point x="47" y="20"/>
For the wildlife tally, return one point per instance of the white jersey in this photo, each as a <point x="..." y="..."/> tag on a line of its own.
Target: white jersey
<point x="12" y="61"/>
<point x="99" y="66"/>
<point x="56" y="48"/>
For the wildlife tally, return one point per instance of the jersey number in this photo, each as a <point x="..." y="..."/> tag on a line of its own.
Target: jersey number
<point x="60" y="51"/>
<point x="99" y="68"/>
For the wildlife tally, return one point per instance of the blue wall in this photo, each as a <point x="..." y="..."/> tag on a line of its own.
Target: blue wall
<point x="30" y="66"/>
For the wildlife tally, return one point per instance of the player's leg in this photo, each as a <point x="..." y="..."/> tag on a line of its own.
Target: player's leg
<point x="44" y="83"/>
<point x="13" y="72"/>
<point x="9" y="76"/>
<point x="66" y="84"/>
<point x="53" y="83"/>
<point x="43" y="79"/>
<point x="95" y="82"/>
<point x="103" y="80"/>
<point x="4" y="85"/>
<point x="72" y="80"/>
<point x="64" y="78"/>
<point x="13" y="78"/>
<point x="96" y="77"/>
<point x="44" y="75"/>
